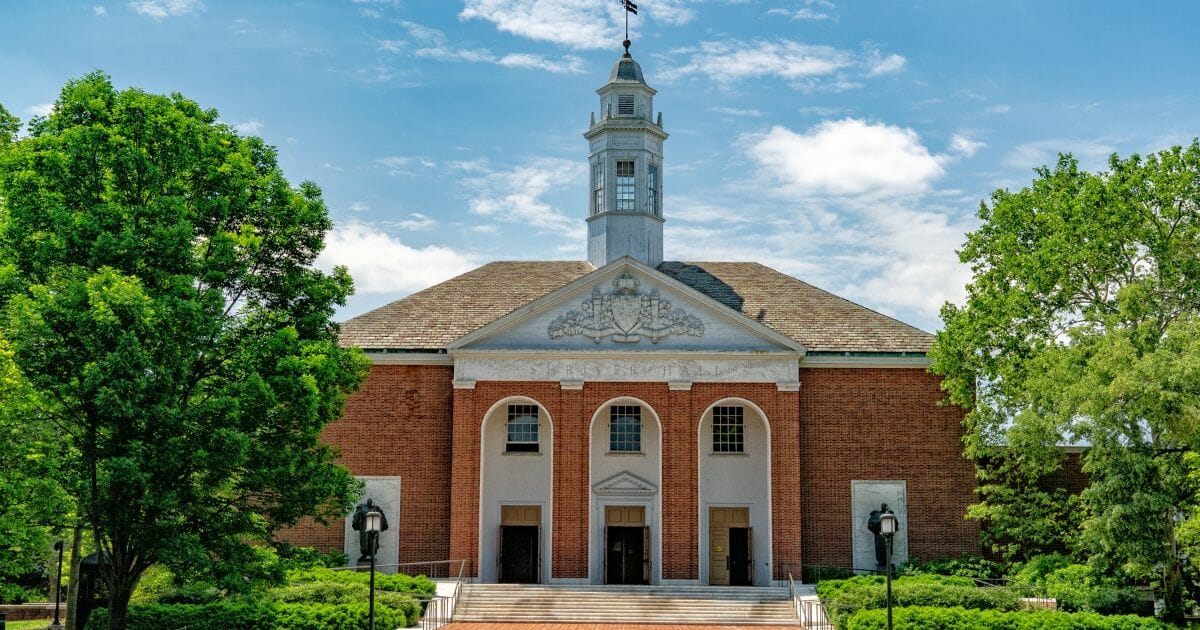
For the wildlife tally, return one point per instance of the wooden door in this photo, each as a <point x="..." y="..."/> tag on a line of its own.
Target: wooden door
<point x="626" y="548"/>
<point x="720" y="521"/>
<point x="520" y="543"/>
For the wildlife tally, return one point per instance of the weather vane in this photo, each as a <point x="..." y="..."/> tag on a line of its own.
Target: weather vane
<point x="630" y="7"/>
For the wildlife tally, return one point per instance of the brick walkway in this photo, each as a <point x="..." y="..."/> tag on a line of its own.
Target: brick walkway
<point x="477" y="625"/>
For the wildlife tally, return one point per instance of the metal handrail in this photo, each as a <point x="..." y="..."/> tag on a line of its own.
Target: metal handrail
<point x="439" y="609"/>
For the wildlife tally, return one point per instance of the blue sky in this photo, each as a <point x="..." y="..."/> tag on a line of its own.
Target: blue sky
<point x="846" y="143"/>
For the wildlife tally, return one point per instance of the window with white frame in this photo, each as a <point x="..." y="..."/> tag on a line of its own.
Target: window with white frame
<point x="652" y="182"/>
<point x="625" y="429"/>
<point x="598" y="187"/>
<point x="728" y="430"/>
<point x="626" y="197"/>
<point x="522" y="429"/>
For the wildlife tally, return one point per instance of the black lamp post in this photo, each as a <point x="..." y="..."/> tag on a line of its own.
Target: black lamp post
<point x="887" y="528"/>
<point x="58" y="546"/>
<point x="372" y="523"/>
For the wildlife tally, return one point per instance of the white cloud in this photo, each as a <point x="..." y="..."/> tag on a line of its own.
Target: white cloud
<point x="41" y="109"/>
<point x="847" y="157"/>
<point x="809" y="67"/>
<point x="333" y="167"/>
<point x="573" y="23"/>
<point x="417" y="222"/>
<point x="1092" y="155"/>
<point x="161" y="9"/>
<point x="99" y="10"/>
<point x="963" y="145"/>
<point x="730" y="61"/>
<point x="249" y="128"/>
<point x="516" y="195"/>
<point x="673" y="12"/>
<point x="569" y="64"/>
<point x="359" y="206"/>
<point x="999" y="109"/>
<point x="423" y="34"/>
<point x="733" y="111"/>
<point x="380" y="263"/>
<point x="800" y="14"/>
<point x="885" y="65"/>
<point x="403" y="164"/>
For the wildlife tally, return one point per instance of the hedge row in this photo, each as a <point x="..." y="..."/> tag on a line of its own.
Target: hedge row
<point x="418" y="585"/>
<point x="930" y="618"/>
<point x="842" y="602"/>
<point x="254" y="616"/>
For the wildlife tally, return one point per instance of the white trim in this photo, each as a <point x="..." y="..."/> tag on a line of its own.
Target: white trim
<point x="409" y="358"/>
<point x="704" y="576"/>
<point x="642" y="366"/>
<point x="788" y="386"/>
<point x="464" y="383"/>
<point x="853" y="361"/>
<point x="583" y="283"/>
<point x="654" y="502"/>
<point x="546" y="553"/>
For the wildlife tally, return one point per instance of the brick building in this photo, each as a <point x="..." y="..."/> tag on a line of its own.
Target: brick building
<point x="634" y="420"/>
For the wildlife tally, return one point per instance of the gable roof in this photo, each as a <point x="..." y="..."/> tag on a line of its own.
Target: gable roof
<point x="820" y="321"/>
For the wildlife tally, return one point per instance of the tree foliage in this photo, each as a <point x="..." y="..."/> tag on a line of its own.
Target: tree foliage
<point x="1082" y="324"/>
<point x="157" y="290"/>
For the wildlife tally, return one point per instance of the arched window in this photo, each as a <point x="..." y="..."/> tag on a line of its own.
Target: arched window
<point x="625" y="429"/>
<point x="522" y="429"/>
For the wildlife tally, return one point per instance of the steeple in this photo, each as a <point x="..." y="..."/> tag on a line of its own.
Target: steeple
<point x="626" y="166"/>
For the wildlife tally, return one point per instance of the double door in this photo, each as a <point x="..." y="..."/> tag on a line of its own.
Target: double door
<point x="730" y="545"/>
<point x="626" y="545"/>
<point x="520" y="540"/>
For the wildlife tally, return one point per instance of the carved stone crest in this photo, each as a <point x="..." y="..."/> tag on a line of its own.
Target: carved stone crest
<point x="626" y="315"/>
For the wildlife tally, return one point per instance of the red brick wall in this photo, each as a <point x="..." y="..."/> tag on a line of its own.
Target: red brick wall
<point x="840" y="426"/>
<point x="398" y="423"/>
<point x="882" y="424"/>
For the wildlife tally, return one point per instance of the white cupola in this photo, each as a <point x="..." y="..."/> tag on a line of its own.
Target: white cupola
<point x="626" y="170"/>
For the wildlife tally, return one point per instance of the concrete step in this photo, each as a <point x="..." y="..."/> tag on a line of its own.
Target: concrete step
<point x="626" y="604"/>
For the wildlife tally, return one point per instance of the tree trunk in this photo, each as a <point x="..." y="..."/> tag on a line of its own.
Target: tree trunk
<point x="73" y="583"/>
<point x="1173" y="611"/>
<point x="118" y="600"/>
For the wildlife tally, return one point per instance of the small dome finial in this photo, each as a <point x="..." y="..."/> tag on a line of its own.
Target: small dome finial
<point x="626" y="44"/>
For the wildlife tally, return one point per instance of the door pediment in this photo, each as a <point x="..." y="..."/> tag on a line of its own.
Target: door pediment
<point x="625" y="484"/>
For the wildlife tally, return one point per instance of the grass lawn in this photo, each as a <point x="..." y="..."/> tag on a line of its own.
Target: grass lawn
<point x="35" y="624"/>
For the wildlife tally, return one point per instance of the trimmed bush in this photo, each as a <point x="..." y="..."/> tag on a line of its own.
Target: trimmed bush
<point x="926" y="618"/>
<point x="418" y="585"/>
<point x="844" y="600"/>
<point x="343" y="593"/>
<point x="248" y="616"/>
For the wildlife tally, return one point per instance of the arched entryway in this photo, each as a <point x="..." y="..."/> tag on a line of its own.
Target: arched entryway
<point x="515" y="490"/>
<point x="625" y="474"/>
<point x="734" y="450"/>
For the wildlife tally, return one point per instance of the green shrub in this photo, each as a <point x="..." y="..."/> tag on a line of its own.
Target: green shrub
<point x="343" y="593"/>
<point x="814" y="574"/>
<point x="927" y="618"/>
<point x="14" y="594"/>
<point x="234" y="615"/>
<point x="965" y="566"/>
<point x="418" y="585"/>
<point x="1035" y="571"/>
<point x="294" y="557"/>
<point x="844" y="600"/>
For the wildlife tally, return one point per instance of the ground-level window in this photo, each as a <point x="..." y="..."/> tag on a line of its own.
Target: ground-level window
<point x="522" y="429"/>
<point x="625" y="429"/>
<point x="728" y="430"/>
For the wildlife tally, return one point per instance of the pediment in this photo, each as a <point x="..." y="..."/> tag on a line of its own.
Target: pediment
<point x="625" y="484"/>
<point x="626" y="307"/>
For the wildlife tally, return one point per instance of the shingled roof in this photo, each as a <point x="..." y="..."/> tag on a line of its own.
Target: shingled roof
<point x="823" y="322"/>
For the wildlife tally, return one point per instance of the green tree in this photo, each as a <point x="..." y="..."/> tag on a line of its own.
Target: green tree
<point x="1082" y="323"/>
<point x="158" y="293"/>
